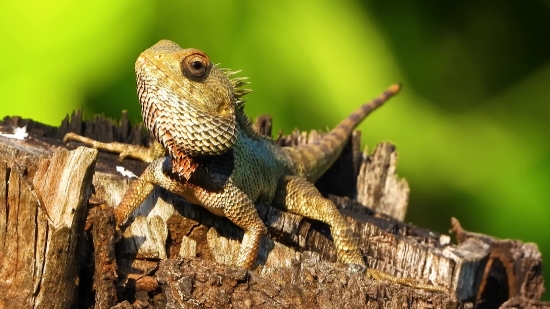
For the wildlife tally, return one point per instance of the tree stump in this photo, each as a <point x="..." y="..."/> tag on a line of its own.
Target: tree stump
<point x="60" y="249"/>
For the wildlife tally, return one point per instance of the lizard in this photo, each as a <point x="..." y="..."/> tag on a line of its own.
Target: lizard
<point x="207" y="151"/>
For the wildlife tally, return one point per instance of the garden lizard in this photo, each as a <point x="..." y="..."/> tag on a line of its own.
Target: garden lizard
<point x="207" y="151"/>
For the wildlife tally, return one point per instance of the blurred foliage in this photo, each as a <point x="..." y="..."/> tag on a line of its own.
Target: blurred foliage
<point x="469" y="124"/>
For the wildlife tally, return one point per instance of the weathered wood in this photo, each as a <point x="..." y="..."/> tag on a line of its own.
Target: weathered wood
<point x="524" y="303"/>
<point x="175" y="254"/>
<point x="20" y="216"/>
<point x="42" y="213"/>
<point x="378" y="186"/>
<point x="199" y="283"/>
<point x="105" y="268"/>
<point x="513" y="269"/>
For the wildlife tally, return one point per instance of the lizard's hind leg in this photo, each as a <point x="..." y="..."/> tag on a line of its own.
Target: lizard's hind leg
<point x="299" y="196"/>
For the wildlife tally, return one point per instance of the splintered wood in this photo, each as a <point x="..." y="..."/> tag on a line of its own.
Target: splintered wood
<point x="41" y="220"/>
<point x="378" y="185"/>
<point x="176" y="255"/>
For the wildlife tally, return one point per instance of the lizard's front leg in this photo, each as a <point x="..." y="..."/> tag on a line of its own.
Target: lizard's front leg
<point x="138" y="191"/>
<point x="238" y="208"/>
<point x="228" y="201"/>
<point x="156" y="174"/>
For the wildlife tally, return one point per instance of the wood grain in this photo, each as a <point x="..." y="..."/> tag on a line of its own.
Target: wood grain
<point x="173" y="254"/>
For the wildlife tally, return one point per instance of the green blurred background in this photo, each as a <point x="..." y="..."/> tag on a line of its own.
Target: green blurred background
<point x="469" y="124"/>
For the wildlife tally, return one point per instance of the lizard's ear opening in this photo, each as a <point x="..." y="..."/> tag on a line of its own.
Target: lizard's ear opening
<point x="196" y="66"/>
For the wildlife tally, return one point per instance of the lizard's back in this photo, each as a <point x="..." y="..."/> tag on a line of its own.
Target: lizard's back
<point x="259" y="164"/>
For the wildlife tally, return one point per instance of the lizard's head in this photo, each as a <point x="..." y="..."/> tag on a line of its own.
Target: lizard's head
<point x="187" y="103"/>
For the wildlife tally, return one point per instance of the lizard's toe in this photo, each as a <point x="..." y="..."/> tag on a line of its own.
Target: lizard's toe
<point x="122" y="156"/>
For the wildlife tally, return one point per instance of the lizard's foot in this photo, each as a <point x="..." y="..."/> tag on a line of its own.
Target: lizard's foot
<point x="145" y="154"/>
<point x="378" y="275"/>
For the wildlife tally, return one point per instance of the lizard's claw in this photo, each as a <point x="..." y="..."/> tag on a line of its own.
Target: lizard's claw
<point x="123" y="155"/>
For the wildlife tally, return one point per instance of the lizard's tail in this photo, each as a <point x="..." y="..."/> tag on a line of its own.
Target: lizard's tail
<point x="312" y="160"/>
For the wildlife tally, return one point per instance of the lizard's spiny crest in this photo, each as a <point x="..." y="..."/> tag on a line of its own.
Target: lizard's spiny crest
<point x="237" y="82"/>
<point x="239" y="91"/>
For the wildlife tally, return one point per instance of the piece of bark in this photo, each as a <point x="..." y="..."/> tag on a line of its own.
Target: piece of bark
<point x="524" y="303"/>
<point x="20" y="217"/>
<point x="42" y="212"/>
<point x="293" y="245"/>
<point x="105" y="268"/>
<point x="145" y="238"/>
<point x="378" y="185"/>
<point x="199" y="283"/>
<point x="513" y="269"/>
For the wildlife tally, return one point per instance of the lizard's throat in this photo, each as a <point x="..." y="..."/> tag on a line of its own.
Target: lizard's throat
<point x="183" y="129"/>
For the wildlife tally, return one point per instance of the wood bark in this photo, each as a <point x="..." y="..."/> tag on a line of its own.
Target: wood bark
<point x="42" y="211"/>
<point x="176" y="255"/>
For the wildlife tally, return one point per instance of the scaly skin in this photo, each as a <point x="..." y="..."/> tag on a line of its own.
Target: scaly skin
<point x="217" y="160"/>
<point x="195" y="111"/>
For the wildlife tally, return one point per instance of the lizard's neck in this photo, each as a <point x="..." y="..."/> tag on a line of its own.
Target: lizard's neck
<point x="245" y="125"/>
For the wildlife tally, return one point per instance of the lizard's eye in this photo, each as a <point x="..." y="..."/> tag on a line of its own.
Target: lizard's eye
<point x="195" y="66"/>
